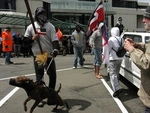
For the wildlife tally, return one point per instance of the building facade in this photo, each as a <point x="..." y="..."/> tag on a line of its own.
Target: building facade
<point x="76" y="11"/>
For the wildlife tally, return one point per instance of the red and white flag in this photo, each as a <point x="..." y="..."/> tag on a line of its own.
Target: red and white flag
<point x="97" y="17"/>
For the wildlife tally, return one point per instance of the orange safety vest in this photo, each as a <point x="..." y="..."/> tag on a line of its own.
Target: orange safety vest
<point x="59" y="34"/>
<point x="7" y="40"/>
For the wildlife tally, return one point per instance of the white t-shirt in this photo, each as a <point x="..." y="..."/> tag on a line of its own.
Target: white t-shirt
<point x="45" y="40"/>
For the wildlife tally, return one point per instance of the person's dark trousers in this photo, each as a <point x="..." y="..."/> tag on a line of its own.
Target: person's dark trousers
<point x="51" y="71"/>
<point x="7" y="57"/>
<point x="25" y="51"/>
<point x="147" y="109"/>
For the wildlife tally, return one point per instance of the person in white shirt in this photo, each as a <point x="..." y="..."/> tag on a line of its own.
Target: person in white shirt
<point x="46" y="34"/>
<point x="114" y="60"/>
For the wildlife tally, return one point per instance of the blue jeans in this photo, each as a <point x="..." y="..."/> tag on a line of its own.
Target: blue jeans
<point x="78" y="52"/>
<point x="7" y="57"/>
<point x="97" y="56"/>
<point x="147" y="110"/>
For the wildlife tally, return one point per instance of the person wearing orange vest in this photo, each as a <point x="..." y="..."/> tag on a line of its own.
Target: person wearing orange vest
<point x="7" y="44"/>
<point x="59" y="34"/>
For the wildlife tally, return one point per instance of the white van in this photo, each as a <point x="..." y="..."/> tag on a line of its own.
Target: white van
<point x="128" y="69"/>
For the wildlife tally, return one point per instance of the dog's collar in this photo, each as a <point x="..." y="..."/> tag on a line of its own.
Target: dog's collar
<point x="33" y="87"/>
<point x="29" y="90"/>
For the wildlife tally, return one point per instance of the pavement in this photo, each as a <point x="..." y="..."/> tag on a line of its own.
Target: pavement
<point x="83" y="92"/>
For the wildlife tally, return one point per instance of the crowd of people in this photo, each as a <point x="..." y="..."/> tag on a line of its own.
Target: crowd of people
<point x="18" y="47"/>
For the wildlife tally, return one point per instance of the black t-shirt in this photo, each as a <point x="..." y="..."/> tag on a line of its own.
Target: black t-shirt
<point x="120" y="26"/>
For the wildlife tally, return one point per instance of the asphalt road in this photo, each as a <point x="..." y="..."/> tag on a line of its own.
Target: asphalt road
<point x="83" y="92"/>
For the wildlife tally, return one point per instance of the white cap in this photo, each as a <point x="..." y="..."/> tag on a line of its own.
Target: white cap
<point x="100" y="25"/>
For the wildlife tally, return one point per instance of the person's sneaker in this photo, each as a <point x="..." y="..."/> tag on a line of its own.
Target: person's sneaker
<point x="41" y="104"/>
<point x="116" y="93"/>
<point x="74" y="67"/>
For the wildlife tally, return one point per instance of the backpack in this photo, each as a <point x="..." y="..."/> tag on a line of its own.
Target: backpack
<point x="121" y="51"/>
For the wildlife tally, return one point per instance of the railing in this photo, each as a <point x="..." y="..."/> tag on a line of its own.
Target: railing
<point x="77" y="5"/>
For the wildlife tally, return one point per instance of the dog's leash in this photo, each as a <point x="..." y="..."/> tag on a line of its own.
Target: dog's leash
<point x="49" y="63"/>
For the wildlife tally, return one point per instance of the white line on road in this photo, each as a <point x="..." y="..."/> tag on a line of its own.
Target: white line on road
<point x="7" y="78"/>
<point x="8" y="96"/>
<point x="119" y="103"/>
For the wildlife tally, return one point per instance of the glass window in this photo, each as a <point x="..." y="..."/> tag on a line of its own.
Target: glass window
<point x="127" y="36"/>
<point x="135" y="38"/>
<point x="8" y="4"/>
<point x="47" y="7"/>
<point x="125" y="4"/>
<point x="147" y="39"/>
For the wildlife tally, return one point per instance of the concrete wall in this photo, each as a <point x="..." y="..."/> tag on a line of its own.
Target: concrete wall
<point x="20" y="5"/>
<point x="131" y="20"/>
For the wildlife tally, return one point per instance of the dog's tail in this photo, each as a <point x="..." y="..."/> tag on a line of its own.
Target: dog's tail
<point x="59" y="88"/>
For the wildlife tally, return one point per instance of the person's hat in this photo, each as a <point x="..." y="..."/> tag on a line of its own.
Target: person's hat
<point x="100" y="25"/>
<point x="119" y="18"/>
<point x="39" y="10"/>
<point x="147" y="12"/>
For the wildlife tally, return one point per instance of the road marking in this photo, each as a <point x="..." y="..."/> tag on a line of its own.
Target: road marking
<point x="7" y="78"/>
<point x="119" y="103"/>
<point x="15" y="77"/>
<point x="8" y="96"/>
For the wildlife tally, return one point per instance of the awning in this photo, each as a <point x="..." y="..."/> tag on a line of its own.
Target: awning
<point x="14" y="18"/>
<point x="22" y="19"/>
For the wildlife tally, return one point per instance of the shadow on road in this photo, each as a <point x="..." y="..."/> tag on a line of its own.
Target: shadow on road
<point x="74" y="102"/>
<point x="130" y="92"/>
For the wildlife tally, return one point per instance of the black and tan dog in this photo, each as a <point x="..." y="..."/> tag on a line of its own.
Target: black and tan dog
<point x="38" y="92"/>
